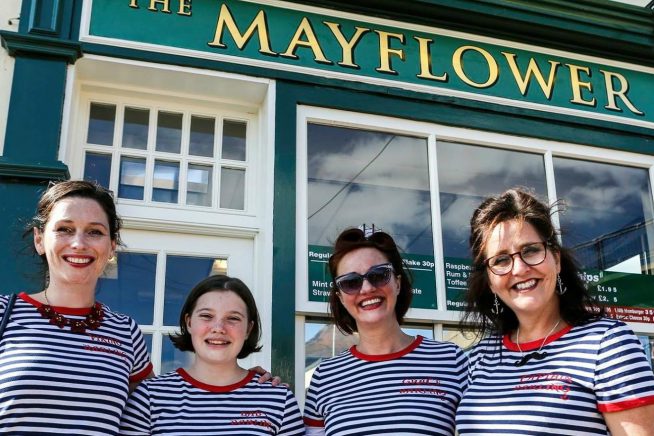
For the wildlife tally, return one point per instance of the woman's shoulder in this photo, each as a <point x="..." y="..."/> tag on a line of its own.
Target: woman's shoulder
<point x="441" y="346"/>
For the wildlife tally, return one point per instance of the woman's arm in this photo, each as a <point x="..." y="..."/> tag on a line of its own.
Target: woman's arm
<point x="632" y="422"/>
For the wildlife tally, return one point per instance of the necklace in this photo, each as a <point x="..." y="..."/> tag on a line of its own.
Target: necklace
<point x="92" y="320"/>
<point x="534" y="354"/>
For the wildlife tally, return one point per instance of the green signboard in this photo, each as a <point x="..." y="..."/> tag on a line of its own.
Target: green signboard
<point x="385" y="53"/>
<point x="421" y="267"/>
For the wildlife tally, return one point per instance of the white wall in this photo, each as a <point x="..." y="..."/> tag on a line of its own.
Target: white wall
<point x="9" y="11"/>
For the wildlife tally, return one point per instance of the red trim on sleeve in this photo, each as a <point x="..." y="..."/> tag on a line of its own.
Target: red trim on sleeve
<point x="141" y="375"/>
<point x="382" y="357"/>
<point x="310" y="422"/>
<point x="625" y="405"/>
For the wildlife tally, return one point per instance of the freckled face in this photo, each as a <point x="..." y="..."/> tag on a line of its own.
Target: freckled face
<point x="219" y="327"/>
<point x="76" y="242"/>
<point x="372" y="305"/>
<point x="525" y="289"/>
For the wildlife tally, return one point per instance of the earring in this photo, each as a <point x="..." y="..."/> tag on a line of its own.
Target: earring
<point x="497" y="309"/>
<point x="562" y="289"/>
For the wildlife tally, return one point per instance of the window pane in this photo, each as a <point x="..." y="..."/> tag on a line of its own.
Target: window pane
<point x="132" y="178"/>
<point x="165" y="186"/>
<point x="135" y="129"/>
<point x="127" y="285"/>
<point x="234" y="140"/>
<point x="172" y="358"/>
<point x="169" y="132"/>
<point x="609" y="224"/>
<point x="232" y="188"/>
<point x="198" y="185"/>
<point x="101" y="124"/>
<point x="182" y="273"/>
<point x="466" y="175"/>
<point x="97" y="168"/>
<point x="202" y="136"/>
<point x="379" y="179"/>
<point x="322" y="341"/>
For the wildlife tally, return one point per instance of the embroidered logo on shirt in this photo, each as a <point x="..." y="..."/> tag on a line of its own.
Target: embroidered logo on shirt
<point x="545" y="382"/>
<point x="425" y="386"/>
<point x="249" y="417"/>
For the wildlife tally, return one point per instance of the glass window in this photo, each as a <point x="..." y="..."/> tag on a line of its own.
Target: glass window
<point x="165" y="186"/>
<point x="378" y="179"/>
<point x="172" y="358"/>
<point x="135" y="128"/>
<point x="169" y="132"/>
<point x="101" y="124"/>
<point x="608" y="223"/>
<point x="202" y="136"/>
<point x="127" y="285"/>
<point x="232" y="188"/>
<point x="234" y="140"/>
<point x="182" y="273"/>
<point x="132" y="178"/>
<point x="466" y="175"/>
<point x="97" y="168"/>
<point x="198" y="185"/>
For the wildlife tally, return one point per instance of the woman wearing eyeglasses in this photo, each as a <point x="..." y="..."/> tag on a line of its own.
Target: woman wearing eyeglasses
<point x="390" y="382"/>
<point x="549" y="361"/>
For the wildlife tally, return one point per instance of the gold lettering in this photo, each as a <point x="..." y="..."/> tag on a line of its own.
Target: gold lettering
<point x="385" y="51"/>
<point x="133" y="4"/>
<point x="225" y="19"/>
<point x="165" y="3"/>
<point x="311" y="42"/>
<point x="457" y="63"/>
<point x="425" y="61"/>
<point x="611" y="93"/>
<point x="184" y="7"/>
<point x="532" y="70"/>
<point x="577" y="84"/>
<point x="347" y="46"/>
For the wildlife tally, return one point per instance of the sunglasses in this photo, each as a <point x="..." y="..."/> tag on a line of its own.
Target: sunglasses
<point x="377" y="276"/>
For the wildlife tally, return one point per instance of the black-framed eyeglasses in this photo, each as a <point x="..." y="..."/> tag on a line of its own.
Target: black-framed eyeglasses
<point x="531" y="254"/>
<point x="377" y="275"/>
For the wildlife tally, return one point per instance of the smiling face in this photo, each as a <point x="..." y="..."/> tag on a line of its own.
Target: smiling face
<point x="76" y="242"/>
<point x="371" y="306"/>
<point x="527" y="290"/>
<point x="218" y="327"/>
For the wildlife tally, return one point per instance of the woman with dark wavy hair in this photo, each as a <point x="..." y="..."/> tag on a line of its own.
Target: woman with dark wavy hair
<point x="390" y="382"/>
<point x="549" y="362"/>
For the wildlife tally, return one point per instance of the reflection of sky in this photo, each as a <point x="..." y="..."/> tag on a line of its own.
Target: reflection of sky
<point x="358" y="177"/>
<point x="468" y="174"/>
<point x="607" y="203"/>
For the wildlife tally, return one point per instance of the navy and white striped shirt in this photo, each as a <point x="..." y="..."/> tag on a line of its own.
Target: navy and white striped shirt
<point x="414" y="391"/>
<point x="588" y="370"/>
<point x="54" y="381"/>
<point x="177" y="404"/>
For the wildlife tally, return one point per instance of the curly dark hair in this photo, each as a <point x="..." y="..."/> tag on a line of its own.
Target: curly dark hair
<point x="354" y="239"/>
<point x="183" y="341"/>
<point x="576" y="305"/>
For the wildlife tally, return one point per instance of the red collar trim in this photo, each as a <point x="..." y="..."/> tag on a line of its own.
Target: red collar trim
<point x="381" y="357"/>
<point x="214" y="388"/>
<point x="82" y="311"/>
<point x="533" y="345"/>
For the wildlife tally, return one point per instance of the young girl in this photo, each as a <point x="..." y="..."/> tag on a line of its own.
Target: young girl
<point x="219" y="322"/>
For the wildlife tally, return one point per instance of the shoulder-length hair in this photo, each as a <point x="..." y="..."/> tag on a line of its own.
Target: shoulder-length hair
<point x="576" y="305"/>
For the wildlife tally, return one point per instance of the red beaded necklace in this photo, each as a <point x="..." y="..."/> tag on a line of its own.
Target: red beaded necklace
<point x="92" y="320"/>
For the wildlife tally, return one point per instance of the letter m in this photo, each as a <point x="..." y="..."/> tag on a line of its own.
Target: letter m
<point x="226" y="20"/>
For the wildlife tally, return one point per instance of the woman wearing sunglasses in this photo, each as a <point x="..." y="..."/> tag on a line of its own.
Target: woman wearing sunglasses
<point x="390" y="382"/>
<point x="549" y="363"/>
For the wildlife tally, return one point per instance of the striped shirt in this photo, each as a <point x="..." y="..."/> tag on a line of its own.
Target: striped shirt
<point x="414" y="391"/>
<point x="177" y="404"/>
<point x="54" y="381"/>
<point x="587" y="370"/>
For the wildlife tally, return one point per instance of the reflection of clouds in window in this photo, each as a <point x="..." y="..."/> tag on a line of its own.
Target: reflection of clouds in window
<point x="467" y="174"/>
<point x="358" y="176"/>
<point x="609" y="213"/>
